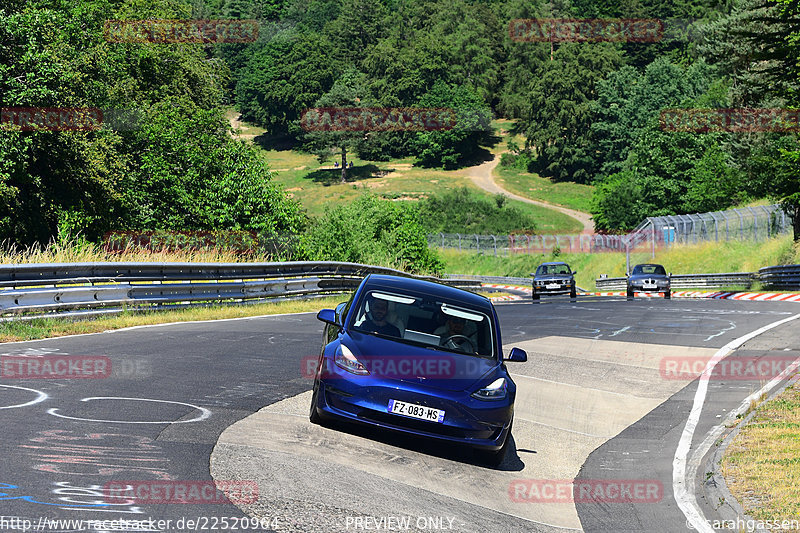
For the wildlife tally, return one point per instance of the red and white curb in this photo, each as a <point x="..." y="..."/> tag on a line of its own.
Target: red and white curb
<point x="746" y="296"/>
<point x="507" y="297"/>
<point x="749" y="296"/>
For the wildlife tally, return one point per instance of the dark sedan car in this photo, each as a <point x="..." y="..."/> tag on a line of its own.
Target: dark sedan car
<point x="649" y="278"/>
<point x="553" y="278"/>
<point x="420" y="358"/>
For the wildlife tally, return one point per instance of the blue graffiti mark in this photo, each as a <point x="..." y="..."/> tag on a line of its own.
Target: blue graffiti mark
<point x="5" y="496"/>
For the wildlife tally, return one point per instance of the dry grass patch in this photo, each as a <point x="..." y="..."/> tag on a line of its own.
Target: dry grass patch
<point x="762" y="464"/>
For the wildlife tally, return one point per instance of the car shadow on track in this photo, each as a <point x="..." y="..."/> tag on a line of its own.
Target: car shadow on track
<point x="445" y="450"/>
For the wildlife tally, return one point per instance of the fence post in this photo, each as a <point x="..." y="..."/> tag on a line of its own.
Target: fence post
<point x="495" y="245"/>
<point x="653" y="234"/>
<point x="727" y="236"/>
<point x="626" y="240"/>
<point x="741" y="225"/>
<point x="755" y="223"/>
<point x="459" y="241"/>
<point x="769" y="220"/>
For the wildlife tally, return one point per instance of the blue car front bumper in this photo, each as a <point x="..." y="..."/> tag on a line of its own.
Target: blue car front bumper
<point x="469" y="421"/>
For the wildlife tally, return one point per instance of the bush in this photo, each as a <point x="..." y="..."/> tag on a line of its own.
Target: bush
<point x="462" y="211"/>
<point x="373" y="231"/>
<point x="522" y="161"/>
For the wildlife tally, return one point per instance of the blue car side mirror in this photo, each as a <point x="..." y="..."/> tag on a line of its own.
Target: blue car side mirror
<point x="328" y="316"/>
<point x="517" y="355"/>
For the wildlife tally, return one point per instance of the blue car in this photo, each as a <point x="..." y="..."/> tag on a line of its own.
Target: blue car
<point x="419" y="358"/>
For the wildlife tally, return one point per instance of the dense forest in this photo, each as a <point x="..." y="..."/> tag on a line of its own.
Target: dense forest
<point x="591" y="112"/>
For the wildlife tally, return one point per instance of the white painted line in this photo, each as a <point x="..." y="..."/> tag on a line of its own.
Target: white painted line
<point x="623" y="330"/>
<point x="41" y="396"/>
<point x="717" y="431"/>
<point x="683" y="486"/>
<point x="579" y="387"/>
<point x="204" y="413"/>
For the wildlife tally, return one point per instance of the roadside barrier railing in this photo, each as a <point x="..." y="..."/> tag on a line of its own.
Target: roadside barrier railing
<point x="780" y="277"/>
<point x="74" y="286"/>
<point x="742" y="280"/>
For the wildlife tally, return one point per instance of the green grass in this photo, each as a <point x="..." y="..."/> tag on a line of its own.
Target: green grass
<point x="761" y="465"/>
<point x="566" y="194"/>
<point x="317" y="185"/>
<point x="693" y="259"/>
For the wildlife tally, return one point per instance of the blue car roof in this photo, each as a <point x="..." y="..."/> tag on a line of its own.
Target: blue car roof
<point x="554" y="263"/>
<point x="429" y="288"/>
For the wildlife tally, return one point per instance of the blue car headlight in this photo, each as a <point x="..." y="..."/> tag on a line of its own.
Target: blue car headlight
<point x="496" y="391"/>
<point x="345" y="360"/>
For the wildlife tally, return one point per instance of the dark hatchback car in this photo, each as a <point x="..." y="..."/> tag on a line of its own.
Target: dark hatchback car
<point x="554" y="278"/>
<point x="419" y="358"/>
<point x="649" y="278"/>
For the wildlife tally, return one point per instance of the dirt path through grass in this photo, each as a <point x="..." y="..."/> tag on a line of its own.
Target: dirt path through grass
<point x="481" y="176"/>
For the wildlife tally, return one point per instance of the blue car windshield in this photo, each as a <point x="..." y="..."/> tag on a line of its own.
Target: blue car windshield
<point x="427" y="322"/>
<point x="657" y="270"/>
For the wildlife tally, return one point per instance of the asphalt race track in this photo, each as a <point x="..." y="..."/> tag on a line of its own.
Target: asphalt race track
<point x="229" y="399"/>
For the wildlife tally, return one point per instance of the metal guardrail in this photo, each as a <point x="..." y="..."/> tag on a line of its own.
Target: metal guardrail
<point x="780" y="277"/>
<point x="525" y="282"/>
<point x="72" y="286"/>
<point x="688" y="281"/>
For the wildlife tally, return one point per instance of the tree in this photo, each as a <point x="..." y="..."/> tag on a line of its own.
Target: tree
<point x="558" y="119"/>
<point x="176" y="168"/>
<point x="667" y="173"/>
<point x="284" y="77"/>
<point x="759" y="47"/>
<point x="627" y="101"/>
<point x="348" y="92"/>
<point x="448" y="147"/>
<point x="356" y="29"/>
<point x="190" y="175"/>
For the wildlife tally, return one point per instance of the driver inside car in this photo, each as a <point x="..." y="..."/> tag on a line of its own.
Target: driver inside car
<point x="377" y="322"/>
<point x="457" y="334"/>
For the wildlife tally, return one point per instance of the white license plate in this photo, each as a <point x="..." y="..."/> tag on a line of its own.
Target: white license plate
<point x="649" y="286"/>
<point x="553" y="286"/>
<point x="416" y="411"/>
